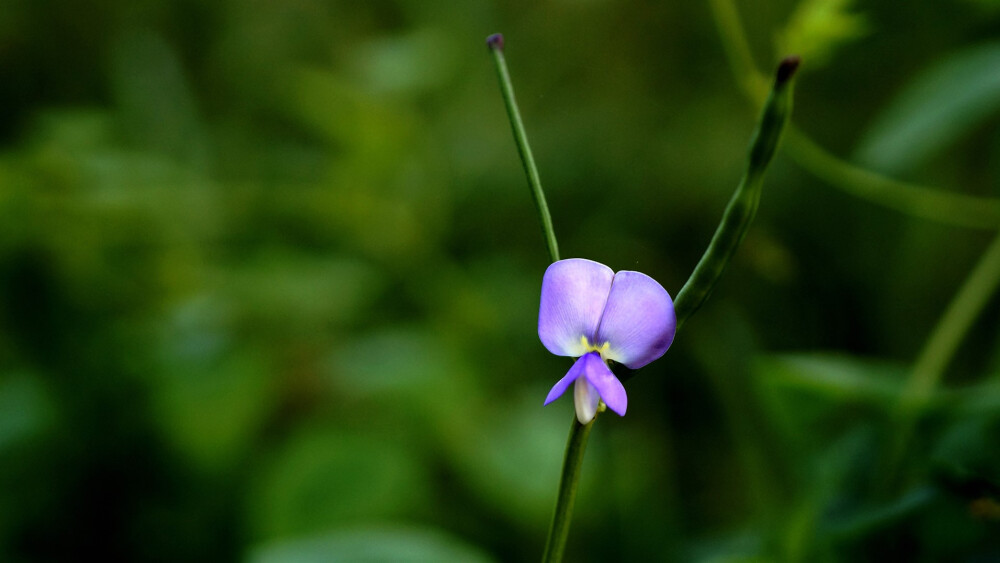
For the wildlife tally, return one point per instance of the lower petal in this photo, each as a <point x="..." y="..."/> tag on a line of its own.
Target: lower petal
<point x="560" y="387"/>
<point x="594" y="382"/>
<point x="611" y="390"/>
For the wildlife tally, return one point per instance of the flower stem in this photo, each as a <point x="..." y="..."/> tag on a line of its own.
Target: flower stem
<point x="742" y="207"/>
<point x="578" y="433"/>
<point x="495" y="44"/>
<point x="555" y="545"/>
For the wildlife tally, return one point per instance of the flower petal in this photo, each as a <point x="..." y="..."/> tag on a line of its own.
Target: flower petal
<point x="574" y="293"/>
<point x="574" y="372"/>
<point x="586" y="400"/>
<point x="638" y="321"/>
<point x="612" y="392"/>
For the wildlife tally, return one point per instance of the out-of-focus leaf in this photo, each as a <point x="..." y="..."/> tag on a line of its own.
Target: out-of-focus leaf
<point x="818" y="27"/>
<point x="988" y="6"/>
<point x="519" y="448"/>
<point x="967" y="459"/>
<point x="408" y="368"/>
<point x="834" y="376"/>
<point x="741" y="547"/>
<point x="212" y="411"/>
<point x="25" y="409"/>
<point x="939" y="106"/>
<point x="978" y="400"/>
<point x="328" y="478"/>
<point x="157" y="103"/>
<point x="350" y="116"/>
<point x="414" y="62"/>
<point x="374" y="544"/>
<point x="291" y="290"/>
<point x="212" y="397"/>
<point x="399" y="360"/>
<point x="868" y="518"/>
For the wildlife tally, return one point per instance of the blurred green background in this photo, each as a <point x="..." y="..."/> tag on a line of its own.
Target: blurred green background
<point x="269" y="277"/>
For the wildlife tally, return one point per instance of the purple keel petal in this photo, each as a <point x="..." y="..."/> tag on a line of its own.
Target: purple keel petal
<point x="574" y="372"/>
<point x="612" y="392"/>
<point x="574" y="293"/>
<point x="638" y="321"/>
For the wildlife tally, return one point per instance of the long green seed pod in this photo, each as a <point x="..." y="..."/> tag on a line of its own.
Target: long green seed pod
<point x="743" y="205"/>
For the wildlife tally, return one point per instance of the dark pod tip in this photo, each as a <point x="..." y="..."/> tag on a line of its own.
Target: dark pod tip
<point x="787" y="68"/>
<point x="495" y="41"/>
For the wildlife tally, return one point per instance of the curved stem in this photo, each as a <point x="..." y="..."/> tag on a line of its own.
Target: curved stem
<point x="952" y="328"/>
<point x="912" y="199"/>
<point x="576" y="445"/>
<point x="981" y="284"/>
<point x="495" y="43"/>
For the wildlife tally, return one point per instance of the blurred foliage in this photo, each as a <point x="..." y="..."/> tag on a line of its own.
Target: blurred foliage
<point x="269" y="275"/>
<point x="817" y="27"/>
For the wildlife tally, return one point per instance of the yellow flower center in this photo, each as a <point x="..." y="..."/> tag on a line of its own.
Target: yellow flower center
<point x="602" y="349"/>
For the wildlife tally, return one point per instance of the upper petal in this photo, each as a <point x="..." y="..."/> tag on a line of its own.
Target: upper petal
<point x="638" y="321"/>
<point x="574" y="293"/>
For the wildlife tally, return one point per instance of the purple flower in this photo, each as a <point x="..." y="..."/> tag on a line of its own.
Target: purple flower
<point x="593" y="314"/>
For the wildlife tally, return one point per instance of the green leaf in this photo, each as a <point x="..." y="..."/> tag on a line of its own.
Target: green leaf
<point x="370" y="544"/>
<point x="939" y="106"/>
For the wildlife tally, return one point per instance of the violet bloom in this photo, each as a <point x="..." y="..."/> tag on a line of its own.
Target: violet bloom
<point x="593" y="314"/>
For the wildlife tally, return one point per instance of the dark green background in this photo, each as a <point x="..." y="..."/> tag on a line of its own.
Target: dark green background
<point x="269" y="277"/>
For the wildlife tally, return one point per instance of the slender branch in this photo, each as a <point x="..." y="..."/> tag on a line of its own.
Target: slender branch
<point x="952" y="328"/>
<point x="576" y="445"/>
<point x="911" y="199"/>
<point x="940" y="348"/>
<point x="495" y="44"/>
<point x="737" y="50"/>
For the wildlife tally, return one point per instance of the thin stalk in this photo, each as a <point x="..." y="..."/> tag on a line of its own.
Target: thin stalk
<point x="576" y="445"/>
<point x="495" y="44"/>
<point x="735" y="223"/>
<point x="737" y="50"/>
<point x="940" y="348"/>
<point x="910" y="199"/>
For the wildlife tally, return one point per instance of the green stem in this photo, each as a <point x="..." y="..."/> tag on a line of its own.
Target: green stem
<point x="912" y="199"/>
<point x="576" y="445"/>
<point x="742" y="206"/>
<point x="495" y="44"/>
<point x="940" y="348"/>
<point x="555" y="545"/>
<point x="737" y="50"/>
